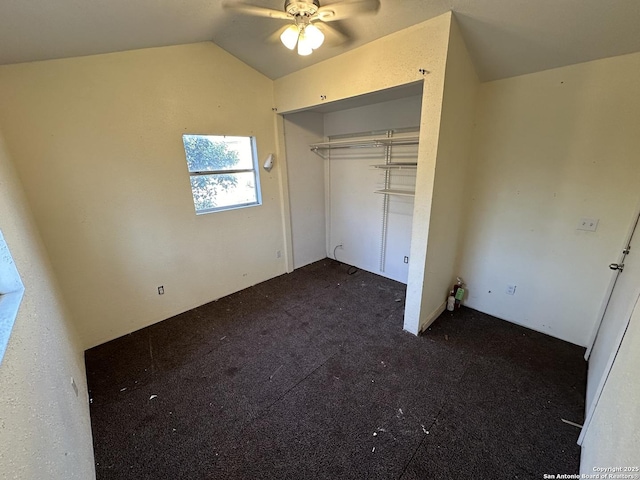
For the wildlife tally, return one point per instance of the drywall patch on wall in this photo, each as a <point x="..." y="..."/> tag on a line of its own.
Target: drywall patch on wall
<point x="550" y="148"/>
<point x="11" y="291"/>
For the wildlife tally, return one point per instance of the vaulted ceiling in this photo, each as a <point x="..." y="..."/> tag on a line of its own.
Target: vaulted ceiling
<point x="504" y="37"/>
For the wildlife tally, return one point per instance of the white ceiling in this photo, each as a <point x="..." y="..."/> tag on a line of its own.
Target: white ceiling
<point x="505" y="37"/>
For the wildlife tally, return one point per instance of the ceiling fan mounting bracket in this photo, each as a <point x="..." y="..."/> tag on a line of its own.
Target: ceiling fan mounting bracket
<point x="301" y="8"/>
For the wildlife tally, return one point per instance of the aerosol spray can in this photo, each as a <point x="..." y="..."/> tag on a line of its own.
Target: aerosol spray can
<point x="458" y="292"/>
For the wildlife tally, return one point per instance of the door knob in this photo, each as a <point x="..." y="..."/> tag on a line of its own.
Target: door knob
<point x="616" y="266"/>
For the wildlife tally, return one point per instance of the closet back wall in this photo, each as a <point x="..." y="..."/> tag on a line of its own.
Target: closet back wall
<point x="332" y="201"/>
<point x="355" y="211"/>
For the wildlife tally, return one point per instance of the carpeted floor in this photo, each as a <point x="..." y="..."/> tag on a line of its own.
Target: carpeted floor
<point x="310" y="376"/>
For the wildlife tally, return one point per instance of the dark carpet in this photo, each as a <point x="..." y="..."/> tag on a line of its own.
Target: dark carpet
<point x="310" y="376"/>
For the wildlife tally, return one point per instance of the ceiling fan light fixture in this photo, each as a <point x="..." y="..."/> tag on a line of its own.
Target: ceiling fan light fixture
<point x="314" y="36"/>
<point x="304" y="45"/>
<point x="289" y="37"/>
<point x="303" y="13"/>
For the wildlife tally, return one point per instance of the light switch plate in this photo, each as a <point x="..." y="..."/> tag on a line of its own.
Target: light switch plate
<point x="588" y="224"/>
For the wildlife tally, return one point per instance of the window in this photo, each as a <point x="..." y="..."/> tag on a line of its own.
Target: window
<point x="223" y="172"/>
<point x="11" y="290"/>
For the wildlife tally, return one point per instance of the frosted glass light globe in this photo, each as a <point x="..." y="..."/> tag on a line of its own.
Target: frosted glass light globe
<point x="304" y="45"/>
<point x="314" y="36"/>
<point x="289" y="37"/>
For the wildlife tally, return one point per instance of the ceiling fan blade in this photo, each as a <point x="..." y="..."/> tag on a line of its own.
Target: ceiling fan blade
<point x="248" y="9"/>
<point x="333" y="36"/>
<point x="275" y="36"/>
<point x="347" y="8"/>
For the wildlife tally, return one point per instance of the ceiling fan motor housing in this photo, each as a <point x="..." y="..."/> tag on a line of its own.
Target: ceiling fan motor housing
<point x="301" y="8"/>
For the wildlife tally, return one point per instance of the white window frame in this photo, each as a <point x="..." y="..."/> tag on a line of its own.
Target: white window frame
<point x="254" y="170"/>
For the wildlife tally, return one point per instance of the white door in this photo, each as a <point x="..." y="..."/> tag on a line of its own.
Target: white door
<point x="615" y="320"/>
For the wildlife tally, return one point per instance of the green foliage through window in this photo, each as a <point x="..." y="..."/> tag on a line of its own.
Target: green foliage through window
<point x="222" y="170"/>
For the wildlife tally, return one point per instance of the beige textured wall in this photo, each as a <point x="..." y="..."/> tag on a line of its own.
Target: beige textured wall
<point x="45" y="431"/>
<point x="550" y="148"/>
<point x="97" y="144"/>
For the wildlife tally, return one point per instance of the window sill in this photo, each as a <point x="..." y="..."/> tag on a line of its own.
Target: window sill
<point x="224" y="209"/>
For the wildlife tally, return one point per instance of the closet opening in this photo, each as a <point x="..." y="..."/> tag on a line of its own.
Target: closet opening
<point x="351" y="172"/>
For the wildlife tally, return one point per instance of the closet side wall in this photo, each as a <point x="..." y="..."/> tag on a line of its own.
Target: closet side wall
<point x="305" y="170"/>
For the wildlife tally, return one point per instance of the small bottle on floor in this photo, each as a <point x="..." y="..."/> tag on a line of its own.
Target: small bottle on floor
<point x="451" y="302"/>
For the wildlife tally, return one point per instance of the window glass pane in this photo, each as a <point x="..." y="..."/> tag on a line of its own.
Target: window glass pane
<point x="222" y="190"/>
<point x="214" y="152"/>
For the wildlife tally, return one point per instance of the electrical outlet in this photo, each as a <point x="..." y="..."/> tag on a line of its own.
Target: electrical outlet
<point x="161" y="290"/>
<point x="406" y="259"/>
<point x="278" y="254"/>
<point x="588" y="224"/>
<point x="511" y="290"/>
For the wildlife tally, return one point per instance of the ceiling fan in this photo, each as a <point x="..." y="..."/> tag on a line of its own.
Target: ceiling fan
<point x="304" y="14"/>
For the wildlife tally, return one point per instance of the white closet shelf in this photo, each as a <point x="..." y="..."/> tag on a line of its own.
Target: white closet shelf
<point x="397" y="166"/>
<point x="402" y="193"/>
<point x="372" y="142"/>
